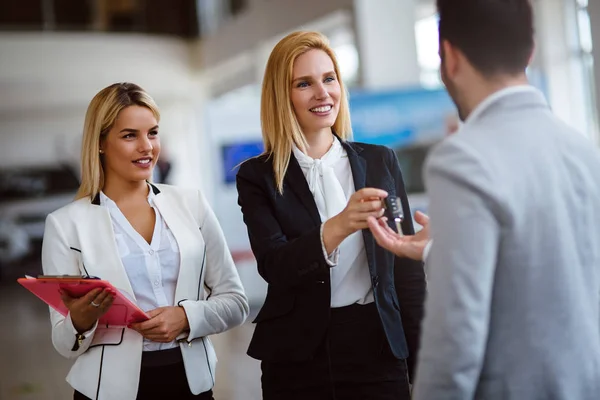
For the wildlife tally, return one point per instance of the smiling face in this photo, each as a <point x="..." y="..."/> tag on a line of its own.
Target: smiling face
<point x="315" y="92"/>
<point x="131" y="148"/>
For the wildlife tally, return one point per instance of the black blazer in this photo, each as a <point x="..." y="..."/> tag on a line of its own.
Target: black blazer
<point x="284" y="232"/>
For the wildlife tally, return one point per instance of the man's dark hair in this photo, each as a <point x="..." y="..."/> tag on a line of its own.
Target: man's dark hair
<point x="495" y="35"/>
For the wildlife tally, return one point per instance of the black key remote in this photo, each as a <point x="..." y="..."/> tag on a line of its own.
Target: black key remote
<point x="393" y="207"/>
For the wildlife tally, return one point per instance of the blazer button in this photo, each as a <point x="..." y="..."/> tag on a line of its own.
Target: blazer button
<point x="375" y="280"/>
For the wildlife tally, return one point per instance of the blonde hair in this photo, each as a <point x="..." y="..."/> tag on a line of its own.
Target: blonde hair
<point x="280" y="128"/>
<point x="99" y="120"/>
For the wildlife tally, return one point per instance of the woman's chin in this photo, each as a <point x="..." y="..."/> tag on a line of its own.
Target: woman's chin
<point x="141" y="177"/>
<point x="322" y="125"/>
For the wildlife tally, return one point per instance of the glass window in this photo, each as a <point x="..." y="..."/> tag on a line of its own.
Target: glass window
<point x="427" y="41"/>
<point x="587" y="59"/>
<point x="347" y="56"/>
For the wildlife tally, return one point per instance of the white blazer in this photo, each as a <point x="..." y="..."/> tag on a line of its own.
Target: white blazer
<point x="79" y="240"/>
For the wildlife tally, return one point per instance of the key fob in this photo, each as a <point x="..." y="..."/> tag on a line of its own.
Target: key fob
<point x="393" y="210"/>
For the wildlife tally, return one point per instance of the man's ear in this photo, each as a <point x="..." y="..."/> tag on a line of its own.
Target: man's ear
<point x="450" y="58"/>
<point x="532" y="55"/>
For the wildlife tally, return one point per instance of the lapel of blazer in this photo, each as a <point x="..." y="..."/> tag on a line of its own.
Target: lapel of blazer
<point x="99" y="247"/>
<point x="187" y="233"/>
<point x="295" y="180"/>
<point x="358" y="164"/>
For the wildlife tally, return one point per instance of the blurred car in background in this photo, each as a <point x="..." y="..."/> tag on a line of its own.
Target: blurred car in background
<point x="27" y="196"/>
<point x="412" y="159"/>
<point x="14" y="241"/>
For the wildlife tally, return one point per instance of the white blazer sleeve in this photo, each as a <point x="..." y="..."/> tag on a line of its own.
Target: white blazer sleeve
<point x="59" y="259"/>
<point x="227" y="305"/>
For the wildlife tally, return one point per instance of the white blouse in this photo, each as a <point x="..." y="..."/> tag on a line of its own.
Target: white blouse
<point x="152" y="268"/>
<point x="331" y="182"/>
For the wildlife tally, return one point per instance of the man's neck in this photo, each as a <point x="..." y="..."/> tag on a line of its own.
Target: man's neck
<point x="484" y="88"/>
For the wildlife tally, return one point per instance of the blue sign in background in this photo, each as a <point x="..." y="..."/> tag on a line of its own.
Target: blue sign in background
<point x="235" y="154"/>
<point x="400" y="117"/>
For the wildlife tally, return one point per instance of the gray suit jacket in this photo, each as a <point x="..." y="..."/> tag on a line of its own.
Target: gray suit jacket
<point x="513" y="307"/>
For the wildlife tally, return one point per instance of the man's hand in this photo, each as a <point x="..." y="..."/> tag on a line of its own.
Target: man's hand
<point x="164" y="325"/>
<point x="403" y="246"/>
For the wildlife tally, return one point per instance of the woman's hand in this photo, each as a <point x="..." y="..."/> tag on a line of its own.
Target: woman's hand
<point x="87" y="309"/>
<point x="164" y="325"/>
<point x="363" y="204"/>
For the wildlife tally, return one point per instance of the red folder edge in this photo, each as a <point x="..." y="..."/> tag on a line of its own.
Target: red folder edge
<point x="121" y="313"/>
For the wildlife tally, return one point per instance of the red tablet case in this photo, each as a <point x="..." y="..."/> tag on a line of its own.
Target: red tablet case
<point x="121" y="313"/>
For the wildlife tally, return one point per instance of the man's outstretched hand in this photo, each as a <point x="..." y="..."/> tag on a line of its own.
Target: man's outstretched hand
<point x="403" y="246"/>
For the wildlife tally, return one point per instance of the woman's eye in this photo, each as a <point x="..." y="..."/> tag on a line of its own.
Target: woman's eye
<point x="129" y="136"/>
<point x="302" y="84"/>
<point x="329" y="79"/>
<point x="153" y="133"/>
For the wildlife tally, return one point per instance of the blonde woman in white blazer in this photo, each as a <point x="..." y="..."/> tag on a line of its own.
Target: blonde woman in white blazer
<point x="160" y="245"/>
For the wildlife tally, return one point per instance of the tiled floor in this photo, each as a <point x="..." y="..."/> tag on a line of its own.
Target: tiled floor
<point x="30" y="368"/>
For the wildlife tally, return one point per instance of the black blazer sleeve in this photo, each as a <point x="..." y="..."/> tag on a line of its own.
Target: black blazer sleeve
<point x="409" y="276"/>
<point x="282" y="261"/>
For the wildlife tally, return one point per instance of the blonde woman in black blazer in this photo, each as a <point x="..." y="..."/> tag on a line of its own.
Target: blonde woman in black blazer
<point x="342" y="315"/>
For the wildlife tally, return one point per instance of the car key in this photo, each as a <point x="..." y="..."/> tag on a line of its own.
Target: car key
<point x="393" y="207"/>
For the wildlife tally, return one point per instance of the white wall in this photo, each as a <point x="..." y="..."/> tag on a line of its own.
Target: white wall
<point x="185" y="144"/>
<point x="594" y="11"/>
<point x="231" y="119"/>
<point x="47" y="81"/>
<point x="387" y="44"/>
<point x="42" y="70"/>
<point x="40" y="138"/>
<point x="558" y="55"/>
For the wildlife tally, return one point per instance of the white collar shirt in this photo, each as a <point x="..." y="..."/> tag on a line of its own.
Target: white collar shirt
<point x="152" y="268"/>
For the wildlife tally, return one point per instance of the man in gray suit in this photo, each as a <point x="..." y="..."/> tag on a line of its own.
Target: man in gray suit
<point x="513" y="307"/>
